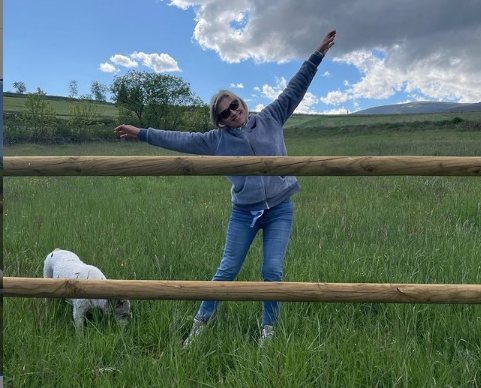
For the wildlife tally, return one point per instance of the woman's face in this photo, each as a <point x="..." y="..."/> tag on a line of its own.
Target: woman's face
<point x="231" y="112"/>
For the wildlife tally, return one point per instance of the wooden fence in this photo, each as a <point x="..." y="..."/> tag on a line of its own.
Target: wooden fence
<point x="215" y="165"/>
<point x="243" y="165"/>
<point x="203" y="290"/>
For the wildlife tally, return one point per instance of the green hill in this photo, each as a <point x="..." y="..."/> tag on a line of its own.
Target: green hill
<point x="337" y="121"/>
<point x="13" y="102"/>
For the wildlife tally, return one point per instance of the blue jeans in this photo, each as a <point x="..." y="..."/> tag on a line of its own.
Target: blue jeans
<point x="276" y="224"/>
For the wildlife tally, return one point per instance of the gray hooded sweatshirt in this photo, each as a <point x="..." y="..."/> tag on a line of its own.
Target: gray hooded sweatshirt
<point x="261" y="135"/>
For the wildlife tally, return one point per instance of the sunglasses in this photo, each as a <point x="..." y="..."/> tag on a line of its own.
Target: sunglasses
<point x="225" y="114"/>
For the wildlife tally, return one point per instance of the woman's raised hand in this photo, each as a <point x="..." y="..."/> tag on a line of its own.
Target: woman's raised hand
<point x="328" y="42"/>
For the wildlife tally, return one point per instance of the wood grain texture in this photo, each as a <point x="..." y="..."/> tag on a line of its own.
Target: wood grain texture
<point x="242" y="291"/>
<point x="245" y="165"/>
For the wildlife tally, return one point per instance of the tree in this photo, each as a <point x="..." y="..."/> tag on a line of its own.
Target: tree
<point x="38" y="113"/>
<point x="73" y="89"/>
<point x="83" y="113"/>
<point x="196" y="118"/>
<point x="154" y="99"/>
<point x="129" y="93"/>
<point x="20" y="87"/>
<point x="98" y="91"/>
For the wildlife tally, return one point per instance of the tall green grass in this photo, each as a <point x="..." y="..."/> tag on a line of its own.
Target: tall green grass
<point x="347" y="229"/>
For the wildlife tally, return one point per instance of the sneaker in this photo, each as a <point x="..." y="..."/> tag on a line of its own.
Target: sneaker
<point x="197" y="328"/>
<point x="267" y="335"/>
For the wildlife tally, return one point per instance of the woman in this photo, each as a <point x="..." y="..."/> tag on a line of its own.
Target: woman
<point x="258" y="202"/>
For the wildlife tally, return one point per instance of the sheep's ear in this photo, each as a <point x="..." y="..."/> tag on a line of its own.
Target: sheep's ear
<point x="120" y="302"/>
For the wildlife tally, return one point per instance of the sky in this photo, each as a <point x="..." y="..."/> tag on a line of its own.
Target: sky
<point x="386" y="51"/>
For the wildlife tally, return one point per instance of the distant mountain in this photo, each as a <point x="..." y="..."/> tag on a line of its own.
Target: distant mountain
<point x="467" y="108"/>
<point x="420" y="107"/>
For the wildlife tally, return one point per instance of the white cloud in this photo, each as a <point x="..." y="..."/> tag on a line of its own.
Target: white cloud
<point x="438" y="57"/>
<point x="337" y="111"/>
<point x="306" y="105"/>
<point x="182" y="4"/>
<point x="158" y="62"/>
<point x="239" y="85"/>
<point x="382" y="78"/>
<point x="259" y="107"/>
<point x="107" y="68"/>
<point x="335" y="97"/>
<point x="272" y="92"/>
<point x="122" y="60"/>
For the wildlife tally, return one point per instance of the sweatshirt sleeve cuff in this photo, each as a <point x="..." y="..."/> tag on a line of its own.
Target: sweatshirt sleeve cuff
<point x="316" y="58"/>
<point x="142" y="135"/>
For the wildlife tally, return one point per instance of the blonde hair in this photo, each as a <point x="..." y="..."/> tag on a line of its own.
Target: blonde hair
<point x="214" y="106"/>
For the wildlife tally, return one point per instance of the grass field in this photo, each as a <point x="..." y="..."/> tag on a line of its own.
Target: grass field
<point x="347" y="229"/>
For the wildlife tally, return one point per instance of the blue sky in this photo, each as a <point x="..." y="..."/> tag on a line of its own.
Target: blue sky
<point x="385" y="52"/>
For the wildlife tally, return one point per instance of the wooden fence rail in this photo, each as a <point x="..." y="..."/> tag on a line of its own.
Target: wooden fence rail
<point x="242" y="291"/>
<point x="245" y="165"/>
